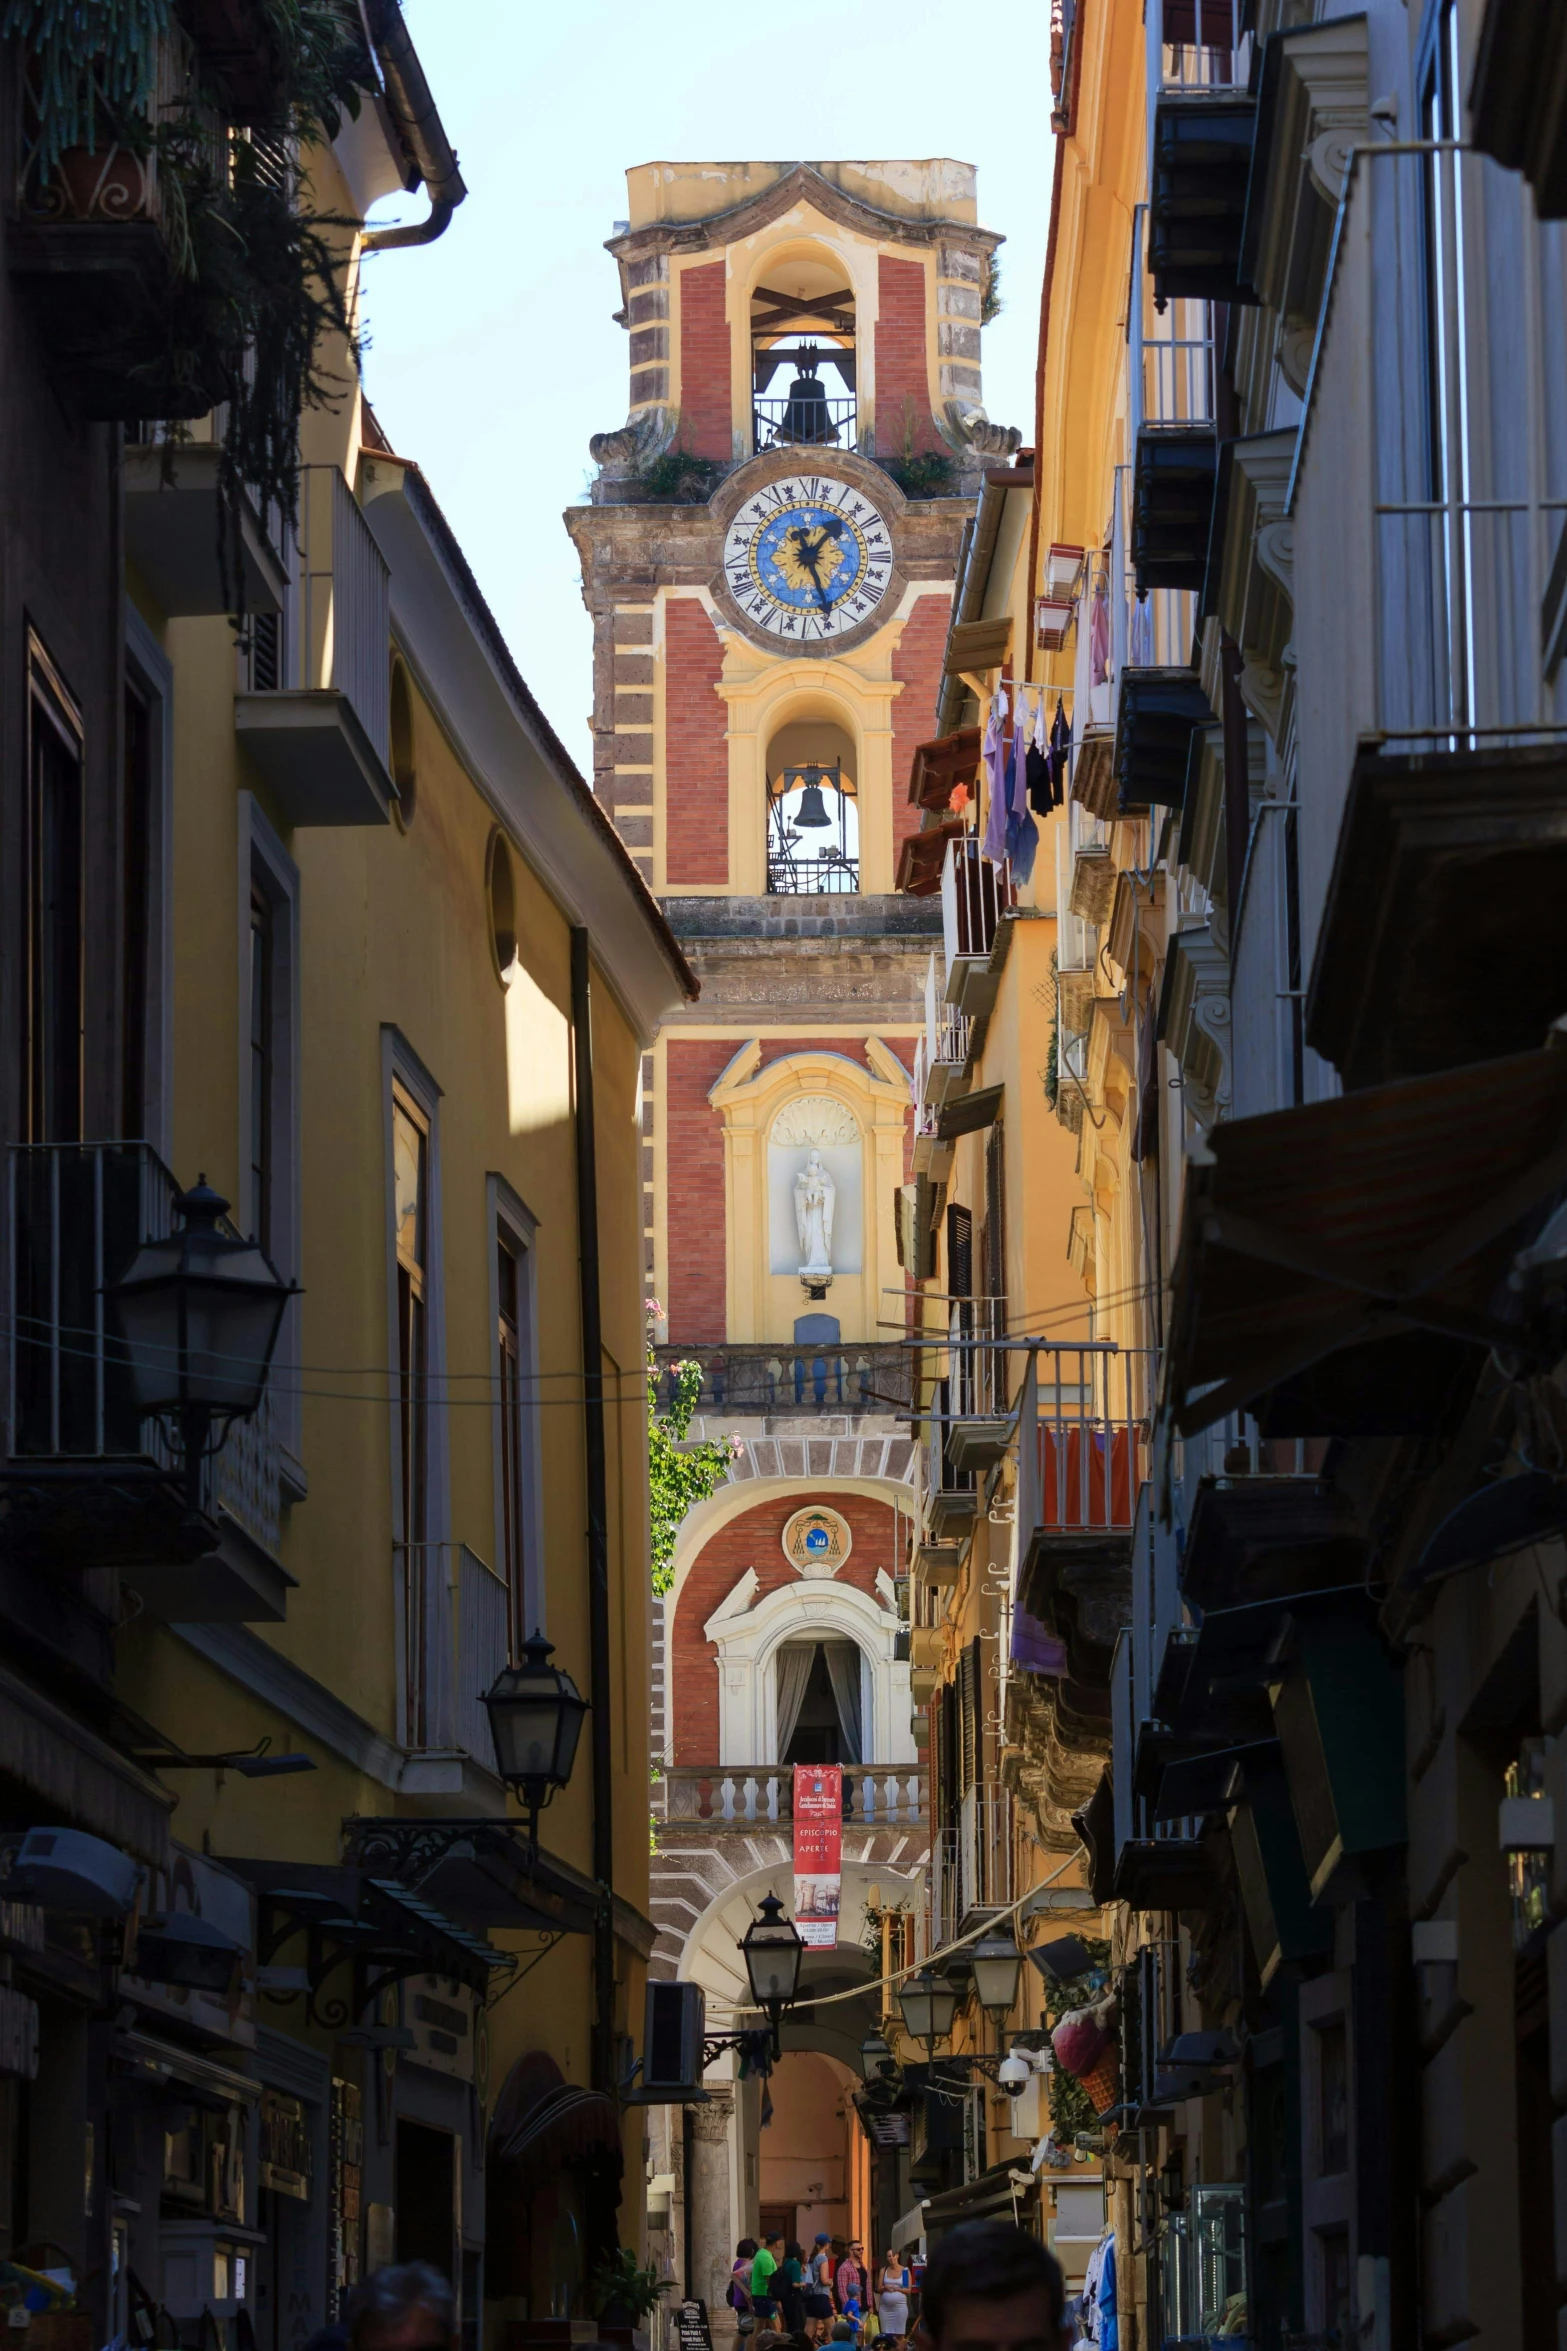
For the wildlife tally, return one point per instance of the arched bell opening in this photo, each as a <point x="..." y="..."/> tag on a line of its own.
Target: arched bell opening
<point x="803" y="354"/>
<point x="813" y="815"/>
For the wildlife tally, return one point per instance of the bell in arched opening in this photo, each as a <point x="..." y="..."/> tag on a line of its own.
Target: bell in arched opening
<point x="812" y="814"/>
<point x="807" y="416"/>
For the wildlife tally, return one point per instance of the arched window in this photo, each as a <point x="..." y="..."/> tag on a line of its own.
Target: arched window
<point x="813" y="811"/>
<point x="821" y="1702"/>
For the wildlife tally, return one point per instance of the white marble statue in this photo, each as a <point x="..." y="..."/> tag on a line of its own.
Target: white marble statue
<point x="814" y="1194"/>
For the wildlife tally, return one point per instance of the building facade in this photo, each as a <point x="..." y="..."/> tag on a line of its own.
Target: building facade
<point x="306" y="902"/>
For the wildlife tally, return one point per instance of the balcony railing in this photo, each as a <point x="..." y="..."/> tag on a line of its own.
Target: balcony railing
<point x="977" y="1358"/>
<point x="941" y="1052"/>
<point x="789" y="1379"/>
<point x="709" y="1796"/>
<point x="456" y="1640"/>
<point x="1083" y="1437"/>
<point x="1197" y="44"/>
<point x="971" y="1864"/>
<point x="341" y="617"/>
<point x="1440" y="267"/>
<point x="828" y="873"/>
<point x="974" y="896"/>
<point x="782" y="423"/>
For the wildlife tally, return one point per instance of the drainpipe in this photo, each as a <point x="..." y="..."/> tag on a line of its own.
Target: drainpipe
<point x="413" y="112"/>
<point x="603" y="2043"/>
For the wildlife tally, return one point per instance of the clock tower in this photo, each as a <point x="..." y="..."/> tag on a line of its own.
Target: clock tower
<point x="769" y="553"/>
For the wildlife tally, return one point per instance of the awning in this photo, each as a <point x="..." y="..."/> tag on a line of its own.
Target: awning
<point x="80" y="1776"/>
<point x="165" y="2061"/>
<point x="1004" y="2192"/>
<point x="967" y="1114"/>
<point x="942" y="763"/>
<point x="374" y="1929"/>
<point x="978" y="645"/>
<point x="1346" y="1260"/>
<point x="1249" y="1538"/>
<point x="482" y="1871"/>
<point x="922" y="857"/>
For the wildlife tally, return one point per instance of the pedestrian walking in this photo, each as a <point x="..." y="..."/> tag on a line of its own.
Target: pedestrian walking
<point x="408" y="2307"/>
<point x="765" y="2263"/>
<point x="791" y="2289"/>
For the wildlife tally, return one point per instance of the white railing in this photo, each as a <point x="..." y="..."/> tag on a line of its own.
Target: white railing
<point x="974" y="895"/>
<point x="1146" y="632"/>
<point x="942" y="1475"/>
<point x="941" y="1051"/>
<point x="1446" y="310"/>
<point x="1196" y="45"/>
<point x="456" y="1640"/>
<point x="875" y="1795"/>
<point x="985" y="1868"/>
<point x="1171" y="376"/>
<point x="340" y="613"/>
<point x="976" y="1358"/>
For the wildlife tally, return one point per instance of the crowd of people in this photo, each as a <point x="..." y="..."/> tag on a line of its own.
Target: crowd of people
<point x="828" y="2295"/>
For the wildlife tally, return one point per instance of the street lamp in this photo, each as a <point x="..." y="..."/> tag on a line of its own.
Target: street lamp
<point x="199" y="1315"/>
<point x="773" y="1950"/>
<point x="929" y="2004"/>
<point x="536" y="1713"/>
<point x="997" y="1963"/>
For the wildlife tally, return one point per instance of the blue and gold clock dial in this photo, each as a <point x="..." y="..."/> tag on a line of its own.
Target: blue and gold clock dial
<point x="808" y="559"/>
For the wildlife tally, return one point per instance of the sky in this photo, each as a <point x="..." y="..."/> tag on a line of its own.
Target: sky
<point x="493" y="353"/>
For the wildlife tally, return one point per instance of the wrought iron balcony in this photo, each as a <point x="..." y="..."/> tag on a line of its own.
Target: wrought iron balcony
<point x="713" y="1798"/>
<point x="1083" y="1442"/>
<point x="456" y="1639"/>
<point x="826" y="873"/>
<point x="764" y="1379"/>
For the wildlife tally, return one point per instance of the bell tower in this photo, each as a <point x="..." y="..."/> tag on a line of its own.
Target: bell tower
<point x="769" y="555"/>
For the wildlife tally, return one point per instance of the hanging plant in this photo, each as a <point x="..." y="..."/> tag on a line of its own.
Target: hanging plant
<point x="93" y="65"/>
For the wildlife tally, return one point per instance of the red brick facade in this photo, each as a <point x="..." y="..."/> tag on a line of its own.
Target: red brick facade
<point x="705" y="426"/>
<point x="694" y="1191"/>
<point x="696" y="755"/>
<point x="753" y="1540"/>
<point x="903" y="392"/>
<point x="917" y="667"/>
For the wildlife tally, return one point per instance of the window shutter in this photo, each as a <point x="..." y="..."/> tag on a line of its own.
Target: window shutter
<point x="968" y="1714"/>
<point x="960" y="1252"/>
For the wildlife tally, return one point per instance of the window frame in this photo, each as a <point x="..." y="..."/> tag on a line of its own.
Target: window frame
<point x="506" y="1214"/>
<point x="404" y="1074"/>
<point x="150" y="676"/>
<point x="50" y="705"/>
<point x="267" y="871"/>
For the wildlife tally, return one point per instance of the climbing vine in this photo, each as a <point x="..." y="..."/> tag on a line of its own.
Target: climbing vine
<point x="680" y="1473"/>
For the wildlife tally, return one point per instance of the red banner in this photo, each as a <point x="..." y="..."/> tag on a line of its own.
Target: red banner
<point x="818" y="1850"/>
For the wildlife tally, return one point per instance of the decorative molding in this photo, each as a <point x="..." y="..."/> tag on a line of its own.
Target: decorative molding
<point x="817" y="1541"/>
<point x="814" y="1119"/>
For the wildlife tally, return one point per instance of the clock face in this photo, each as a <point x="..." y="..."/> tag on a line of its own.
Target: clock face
<point x="808" y="558"/>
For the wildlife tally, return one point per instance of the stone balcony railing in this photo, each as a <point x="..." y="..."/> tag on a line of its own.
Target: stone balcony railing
<point x="711" y="1798"/>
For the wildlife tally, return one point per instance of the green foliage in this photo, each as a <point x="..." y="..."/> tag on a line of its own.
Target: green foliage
<point x="1053" y="1057"/>
<point x="256" y="278"/>
<point x="680" y="1475"/>
<point x="616" y="2280"/>
<point x="679" y="479"/>
<point x="932" y="474"/>
<point x="990" y="302"/>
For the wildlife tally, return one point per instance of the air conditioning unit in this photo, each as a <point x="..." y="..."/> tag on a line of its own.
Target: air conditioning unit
<point x="674" y="2022"/>
<point x="66" y="1869"/>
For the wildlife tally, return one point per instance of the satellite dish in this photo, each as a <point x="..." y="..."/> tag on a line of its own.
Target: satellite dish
<point x="1504" y="1517"/>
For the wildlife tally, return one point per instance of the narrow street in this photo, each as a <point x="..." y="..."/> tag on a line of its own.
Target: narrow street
<point x="783" y="1245"/>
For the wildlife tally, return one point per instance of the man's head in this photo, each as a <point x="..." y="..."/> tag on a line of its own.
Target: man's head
<point x="409" y="2308"/>
<point x="990" y="2287"/>
<point x="856" y="2249"/>
<point x="772" y="2241"/>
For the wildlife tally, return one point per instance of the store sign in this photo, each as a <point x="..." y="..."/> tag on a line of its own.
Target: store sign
<point x="692" y="2329"/>
<point x="285" y="2146"/>
<point x="818" y="1851"/>
<point x="18" y="2034"/>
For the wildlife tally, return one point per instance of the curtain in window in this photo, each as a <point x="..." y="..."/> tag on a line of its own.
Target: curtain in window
<point x="843" y="1665"/>
<point x="794" y="1672"/>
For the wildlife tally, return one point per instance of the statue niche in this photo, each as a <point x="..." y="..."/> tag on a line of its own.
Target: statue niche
<point x="815" y="1181"/>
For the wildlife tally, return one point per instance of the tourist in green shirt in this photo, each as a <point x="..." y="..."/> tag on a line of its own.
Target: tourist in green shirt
<point x="763" y="2269"/>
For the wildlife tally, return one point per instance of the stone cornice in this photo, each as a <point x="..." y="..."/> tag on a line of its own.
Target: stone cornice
<point x="804" y="184"/>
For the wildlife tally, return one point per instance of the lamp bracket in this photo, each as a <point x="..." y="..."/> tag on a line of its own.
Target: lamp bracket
<point x="757" y="2046"/>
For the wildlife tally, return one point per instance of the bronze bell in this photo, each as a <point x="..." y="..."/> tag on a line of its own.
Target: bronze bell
<point x="807" y="416"/>
<point x="813" y="812"/>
